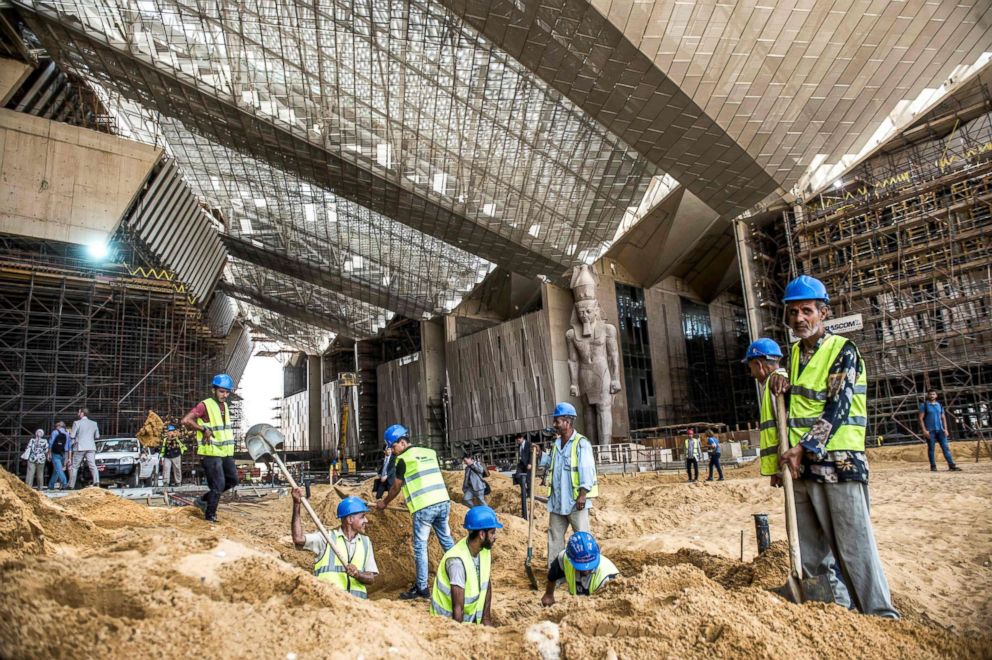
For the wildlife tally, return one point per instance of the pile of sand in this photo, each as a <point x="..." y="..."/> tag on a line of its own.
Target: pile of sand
<point x="111" y="511"/>
<point x="172" y="585"/>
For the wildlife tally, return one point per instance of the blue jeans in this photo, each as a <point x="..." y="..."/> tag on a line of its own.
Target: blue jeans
<point x="941" y="437"/>
<point x="715" y="463"/>
<point x="58" y="472"/>
<point x="434" y="516"/>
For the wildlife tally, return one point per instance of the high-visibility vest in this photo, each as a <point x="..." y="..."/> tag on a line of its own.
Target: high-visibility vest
<point x="808" y="397"/>
<point x="768" y="434"/>
<point x="476" y="585"/>
<point x="329" y="569"/>
<point x="574" y="467"/>
<point x="222" y="438"/>
<point x="423" y="484"/>
<point x="690" y="454"/>
<point x="604" y="571"/>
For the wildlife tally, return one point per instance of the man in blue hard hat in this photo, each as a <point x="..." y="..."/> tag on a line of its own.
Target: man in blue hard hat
<point x="211" y="419"/>
<point x="827" y="385"/>
<point x="361" y="570"/>
<point x="573" y="480"/>
<point x="762" y="360"/>
<point x="418" y="475"/>
<point x="581" y="567"/>
<point x="463" y="584"/>
<point x="172" y="457"/>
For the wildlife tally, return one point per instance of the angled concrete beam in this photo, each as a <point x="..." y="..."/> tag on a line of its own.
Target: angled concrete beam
<point x="287" y="309"/>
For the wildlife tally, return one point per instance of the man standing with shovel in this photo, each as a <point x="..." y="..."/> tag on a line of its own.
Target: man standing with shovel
<point x="827" y="419"/>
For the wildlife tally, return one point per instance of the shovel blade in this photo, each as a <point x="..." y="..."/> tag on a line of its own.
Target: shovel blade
<point x="818" y="588"/>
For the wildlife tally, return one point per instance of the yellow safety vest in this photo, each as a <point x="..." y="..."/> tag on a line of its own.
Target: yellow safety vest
<point x="689" y="454"/>
<point x="808" y="397"/>
<point x="329" y="569"/>
<point x="423" y="484"/>
<point x="768" y="434"/>
<point x="476" y="585"/>
<point x="604" y="571"/>
<point x="574" y="467"/>
<point x="222" y="440"/>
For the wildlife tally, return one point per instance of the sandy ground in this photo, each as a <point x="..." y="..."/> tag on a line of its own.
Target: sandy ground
<point x="138" y="582"/>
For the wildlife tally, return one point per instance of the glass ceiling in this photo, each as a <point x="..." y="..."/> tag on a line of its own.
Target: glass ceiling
<point x="384" y="145"/>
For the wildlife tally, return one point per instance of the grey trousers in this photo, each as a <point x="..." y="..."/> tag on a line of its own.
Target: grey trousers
<point x="478" y="496"/>
<point x="77" y="460"/>
<point x="172" y="467"/>
<point x="35" y="471"/>
<point x="835" y="528"/>
<point x="557" y="524"/>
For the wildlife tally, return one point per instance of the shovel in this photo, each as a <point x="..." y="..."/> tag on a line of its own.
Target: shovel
<point x="530" y="524"/>
<point x="263" y="439"/>
<point x="797" y="588"/>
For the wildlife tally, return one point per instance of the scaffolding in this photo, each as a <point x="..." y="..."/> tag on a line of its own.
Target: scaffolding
<point x="74" y="336"/>
<point x="905" y="241"/>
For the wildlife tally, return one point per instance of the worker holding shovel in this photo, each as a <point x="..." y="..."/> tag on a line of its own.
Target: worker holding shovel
<point x="827" y="387"/>
<point x="360" y="570"/>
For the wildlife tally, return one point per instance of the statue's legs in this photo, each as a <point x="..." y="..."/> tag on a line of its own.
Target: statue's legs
<point x="605" y="427"/>
<point x="589" y="415"/>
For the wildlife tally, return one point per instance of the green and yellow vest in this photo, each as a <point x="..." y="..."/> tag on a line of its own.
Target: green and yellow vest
<point x="423" y="484"/>
<point x="605" y="570"/>
<point x="329" y="569"/>
<point x="222" y="440"/>
<point x="808" y="396"/>
<point x="476" y="585"/>
<point x="768" y="438"/>
<point x="574" y="465"/>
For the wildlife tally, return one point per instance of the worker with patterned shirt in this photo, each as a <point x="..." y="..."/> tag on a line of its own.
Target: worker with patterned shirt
<point x="827" y="386"/>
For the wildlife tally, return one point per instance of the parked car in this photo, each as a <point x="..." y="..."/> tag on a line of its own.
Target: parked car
<point x="117" y="461"/>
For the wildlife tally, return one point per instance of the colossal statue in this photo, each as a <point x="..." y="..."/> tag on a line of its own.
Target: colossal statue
<point x="593" y="367"/>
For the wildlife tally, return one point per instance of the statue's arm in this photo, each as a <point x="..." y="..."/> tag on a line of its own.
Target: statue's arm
<point x="612" y="358"/>
<point x="573" y="363"/>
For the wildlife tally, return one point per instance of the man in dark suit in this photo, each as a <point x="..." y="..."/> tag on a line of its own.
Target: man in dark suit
<point x="387" y="474"/>
<point x="524" y="467"/>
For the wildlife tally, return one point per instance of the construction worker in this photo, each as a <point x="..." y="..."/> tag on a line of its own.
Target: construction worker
<point x="172" y="456"/>
<point x="933" y="425"/>
<point x="693" y="452"/>
<point x="828" y="414"/>
<point x="762" y="359"/>
<point x="361" y="569"/>
<point x="211" y="419"/>
<point x="573" y="481"/>
<point x="462" y="584"/>
<point x="418" y="475"/>
<point x="581" y="566"/>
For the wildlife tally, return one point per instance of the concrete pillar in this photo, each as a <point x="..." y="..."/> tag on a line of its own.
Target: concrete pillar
<point x="433" y="364"/>
<point x="744" y="258"/>
<point x="450" y="328"/>
<point x="557" y="306"/>
<point x="315" y="433"/>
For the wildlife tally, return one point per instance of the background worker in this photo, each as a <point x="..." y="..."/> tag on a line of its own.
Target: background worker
<point x="418" y="475"/>
<point x="211" y="419"/>
<point x="58" y="447"/>
<point x="361" y="570"/>
<point x="581" y="566"/>
<point x="693" y="453"/>
<point x="462" y="586"/>
<point x="524" y="467"/>
<point x="762" y="359"/>
<point x="474" y="483"/>
<point x="573" y="481"/>
<point x="172" y="456"/>
<point x="713" y="447"/>
<point x="828" y="414"/>
<point x="933" y="424"/>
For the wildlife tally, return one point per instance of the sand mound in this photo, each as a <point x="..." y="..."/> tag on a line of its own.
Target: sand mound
<point x="963" y="452"/>
<point x="110" y="511"/>
<point x="29" y="522"/>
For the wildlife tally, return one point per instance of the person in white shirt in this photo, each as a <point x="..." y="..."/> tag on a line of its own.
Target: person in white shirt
<point x="84" y="434"/>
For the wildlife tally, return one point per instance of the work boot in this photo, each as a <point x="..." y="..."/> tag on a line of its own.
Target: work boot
<point x="212" y="521"/>
<point x="201" y="505"/>
<point x="414" y="592"/>
<point x="933" y="468"/>
<point x="954" y="468"/>
<point x="710" y="479"/>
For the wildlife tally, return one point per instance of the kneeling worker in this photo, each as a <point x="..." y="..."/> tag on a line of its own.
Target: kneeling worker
<point x="461" y="586"/>
<point x="581" y="566"/>
<point x="361" y="570"/>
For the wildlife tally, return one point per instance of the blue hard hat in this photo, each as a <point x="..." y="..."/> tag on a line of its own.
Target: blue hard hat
<point x="481" y="517"/>
<point x="564" y="408"/>
<point x="170" y="427"/>
<point x="805" y="287"/>
<point x="223" y="380"/>
<point x="583" y="551"/>
<point x="350" y="505"/>
<point x="394" y="433"/>
<point x="761" y="348"/>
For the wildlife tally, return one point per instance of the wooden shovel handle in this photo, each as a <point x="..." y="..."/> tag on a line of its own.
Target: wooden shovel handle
<point x="791" y="524"/>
